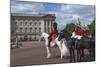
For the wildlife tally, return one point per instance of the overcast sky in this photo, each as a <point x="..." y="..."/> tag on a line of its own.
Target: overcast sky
<point x="65" y="13"/>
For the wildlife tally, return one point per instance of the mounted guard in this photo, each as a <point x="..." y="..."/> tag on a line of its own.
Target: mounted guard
<point x="53" y="34"/>
<point x="85" y="31"/>
<point x="78" y="31"/>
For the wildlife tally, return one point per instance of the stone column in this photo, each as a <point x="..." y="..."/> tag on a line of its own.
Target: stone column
<point x="48" y="26"/>
<point x="44" y="26"/>
<point x="51" y="24"/>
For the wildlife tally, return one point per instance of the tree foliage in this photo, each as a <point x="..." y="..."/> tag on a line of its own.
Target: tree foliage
<point x="69" y="28"/>
<point x="92" y="27"/>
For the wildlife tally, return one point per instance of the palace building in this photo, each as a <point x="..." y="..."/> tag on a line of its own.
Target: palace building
<point x="29" y="27"/>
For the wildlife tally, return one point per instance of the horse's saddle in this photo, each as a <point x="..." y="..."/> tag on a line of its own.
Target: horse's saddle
<point x="53" y="38"/>
<point x="53" y="43"/>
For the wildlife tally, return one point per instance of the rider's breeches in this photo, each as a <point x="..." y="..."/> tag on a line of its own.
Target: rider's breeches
<point x="49" y="42"/>
<point x="77" y="37"/>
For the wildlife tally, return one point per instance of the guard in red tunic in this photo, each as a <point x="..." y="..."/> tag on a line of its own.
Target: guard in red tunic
<point x="85" y="31"/>
<point x="77" y="32"/>
<point x="53" y="34"/>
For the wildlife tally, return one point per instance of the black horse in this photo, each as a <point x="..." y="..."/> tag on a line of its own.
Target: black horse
<point x="85" y="43"/>
<point x="77" y="46"/>
<point x="70" y="44"/>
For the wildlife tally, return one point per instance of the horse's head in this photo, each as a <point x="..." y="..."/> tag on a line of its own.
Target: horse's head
<point x="63" y="35"/>
<point x="44" y="35"/>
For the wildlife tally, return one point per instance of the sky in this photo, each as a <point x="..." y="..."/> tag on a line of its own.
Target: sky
<point x="65" y="13"/>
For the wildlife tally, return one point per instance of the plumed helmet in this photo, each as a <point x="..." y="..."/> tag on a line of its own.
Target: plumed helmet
<point x="85" y="25"/>
<point x="78" y="21"/>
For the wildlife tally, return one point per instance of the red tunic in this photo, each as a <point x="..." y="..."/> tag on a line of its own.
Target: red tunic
<point x="53" y="35"/>
<point x="78" y="30"/>
<point x="85" y="33"/>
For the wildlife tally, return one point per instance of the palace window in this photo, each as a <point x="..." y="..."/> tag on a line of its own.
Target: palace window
<point x="30" y="23"/>
<point x="18" y="19"/>
<point x="16" y="23"/>
<point x="25" y="23"/>
<point x="21" y="29"/>
<point x="39" y="30"/>
<point x="30" y="29"/>
<point x="20" y="23"/>
<point x="26" y="29"/>
<point x="35" y="30"/>
<point x="39" y="23"/>
<point x="35" y="23"/>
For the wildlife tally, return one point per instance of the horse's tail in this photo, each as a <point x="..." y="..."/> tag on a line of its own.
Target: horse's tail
<point x="65" y="48"/>
<point x="64" y="44"/>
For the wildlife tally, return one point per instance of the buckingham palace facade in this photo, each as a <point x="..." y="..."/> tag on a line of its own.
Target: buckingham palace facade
<point x="29" y="27"/>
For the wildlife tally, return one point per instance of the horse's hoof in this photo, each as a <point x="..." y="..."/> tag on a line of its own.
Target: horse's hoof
<point x="48" y="57"/>
<point x="61" y="57"/>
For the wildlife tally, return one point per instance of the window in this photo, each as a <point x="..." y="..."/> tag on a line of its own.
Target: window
<point x="21" y="29"/>
<point x="30" y="23"/>
<point x="25" y="23"/>
<point x="35" y="23"/>
<point x="18" y="19"/>
<point x="35" y="30"/>
<point x="39" y="23"/>
<point x="16" y="23"/>
<point x="30" y="29"/>
<point x="39" y="30"/>
<point x="20" y="23"/>
<point x="26" y="29"/>
<point x="17" y="29"/>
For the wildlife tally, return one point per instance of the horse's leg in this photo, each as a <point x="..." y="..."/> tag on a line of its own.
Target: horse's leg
<point x="72" y="53"/>
<point x="73" y="50"/>
<point x="48" y="52"/>
<point x="78" y="54"/>
<point x="60" y="48"/>
<point x="82" y="54"/>
<point x="71" y="57"/>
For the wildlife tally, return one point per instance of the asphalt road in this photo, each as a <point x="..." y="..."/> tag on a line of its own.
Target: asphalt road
<point x="34" y="53"/>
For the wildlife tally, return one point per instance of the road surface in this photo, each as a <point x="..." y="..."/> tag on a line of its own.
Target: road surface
<point x="34" y="53"/>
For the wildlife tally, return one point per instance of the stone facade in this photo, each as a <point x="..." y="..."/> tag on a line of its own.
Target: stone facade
<point x="29" y="27"/>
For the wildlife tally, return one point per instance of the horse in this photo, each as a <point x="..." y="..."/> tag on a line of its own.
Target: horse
<point x="78" y="46"/>
<point x="85" y="43"/>
<point x="70" y="43"/>
<point x="61" y="44"/>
